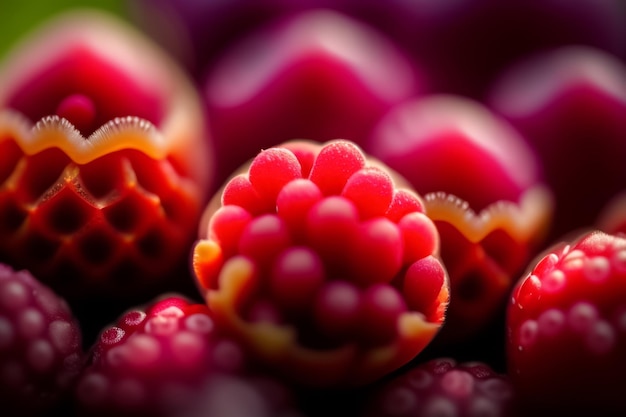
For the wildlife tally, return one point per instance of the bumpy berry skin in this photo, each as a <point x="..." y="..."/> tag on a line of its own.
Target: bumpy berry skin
<point x="566" y="328"/>
<point x="40" y="345"/>
<point x="443" y="386"/>
<point x="317" y="75"/>
<point x="569" y="105"/>
<point x="152" y="360"/>
<point x="104" y="161"/>
<point x="321" y="266"/>
<point x="482" y="187"/>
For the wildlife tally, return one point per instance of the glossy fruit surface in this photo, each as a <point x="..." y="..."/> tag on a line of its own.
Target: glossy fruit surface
<point x="151" y="360"/>
<point x="565" y="328"/>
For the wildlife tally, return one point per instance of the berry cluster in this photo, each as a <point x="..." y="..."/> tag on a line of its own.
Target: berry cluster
<point x="325" y="207"/>
<point x="322" y="265"/>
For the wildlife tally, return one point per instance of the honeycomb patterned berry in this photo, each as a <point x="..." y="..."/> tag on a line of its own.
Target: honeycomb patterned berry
<point x="321" y="266"/>
<point x="104" y="160"/>
<point x="40" y="345"/>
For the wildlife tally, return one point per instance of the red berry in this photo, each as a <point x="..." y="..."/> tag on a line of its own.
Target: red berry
<point x="371" y="190"/>
<point x="105" y="162"/>
<point x="331" y="226"/>
<point x="227" y="226"/>
<point x="377" y="253"/>
<point x="319" y="286"/>
<point x="40" y="345"/>
<point x="263" y="238"/>
<point x="421" y="285"/>
<point x="150" y="362"/>
<point x="294" y="202"/>
<point x="565" y="328"/>
<point x="272" y="169"/>
<point x="334" y="165"/>
<point x="443" y="387"/>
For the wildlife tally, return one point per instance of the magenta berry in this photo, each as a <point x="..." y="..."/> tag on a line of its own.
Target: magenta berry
<point x="40" y="345"/>
<point x="321" y="266"/>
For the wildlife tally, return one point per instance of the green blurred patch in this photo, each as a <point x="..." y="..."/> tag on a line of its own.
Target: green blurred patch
<point x="17" y="17"/>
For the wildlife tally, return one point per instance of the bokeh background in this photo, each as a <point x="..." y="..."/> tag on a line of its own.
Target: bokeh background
<point x="18" y="17"/>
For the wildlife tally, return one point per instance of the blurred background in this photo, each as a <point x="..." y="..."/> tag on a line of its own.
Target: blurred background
<point x="17" y="17"/>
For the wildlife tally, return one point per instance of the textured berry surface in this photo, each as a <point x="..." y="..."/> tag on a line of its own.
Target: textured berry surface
<point x="40" y="345"/>
<point x="323" y="266"/>
<point x="150" y="360"/>
<point x="100" y="182"/>
<point x="77" y="227"/>
<point x="443" y="387"/>
<point x="565" y="328"/>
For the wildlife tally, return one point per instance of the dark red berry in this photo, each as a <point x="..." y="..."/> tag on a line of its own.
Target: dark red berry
<point x="40" y="345"/>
